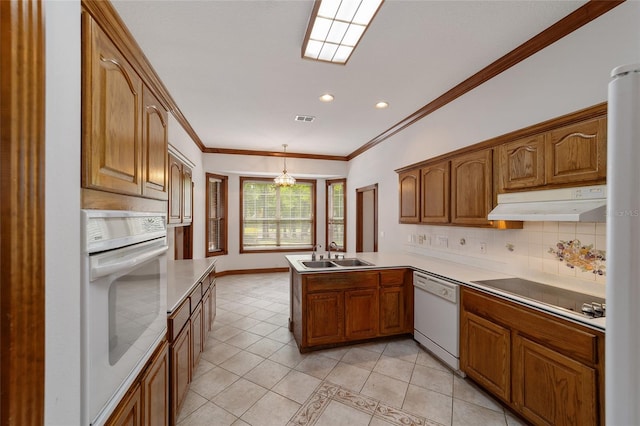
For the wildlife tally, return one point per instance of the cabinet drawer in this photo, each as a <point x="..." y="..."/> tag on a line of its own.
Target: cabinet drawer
<point x="342" y="280"/>
<point x="392" y="277"/>
<point x="195" y="296"/>
<point x="563" y="336"/>
<point x="178" y="319"/>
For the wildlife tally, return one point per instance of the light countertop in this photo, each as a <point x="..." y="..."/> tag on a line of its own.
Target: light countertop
<point x="183" y="276"/>
<point x="459" y="272"/>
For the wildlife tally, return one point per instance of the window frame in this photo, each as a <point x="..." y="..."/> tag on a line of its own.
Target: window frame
<point x="225" y="210"/>
<point x="328" y="185"/>
<point x="314" y="201"/>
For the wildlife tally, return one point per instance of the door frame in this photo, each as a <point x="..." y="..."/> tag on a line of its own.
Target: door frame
<point x="22" y="212"/>
<point x="359" y="212"/>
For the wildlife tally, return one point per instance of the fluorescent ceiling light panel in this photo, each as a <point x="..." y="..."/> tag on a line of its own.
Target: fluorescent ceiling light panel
<point x="336" y="27"/>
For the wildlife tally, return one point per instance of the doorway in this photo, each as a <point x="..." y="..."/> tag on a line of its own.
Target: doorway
<point x="367" y="219"/>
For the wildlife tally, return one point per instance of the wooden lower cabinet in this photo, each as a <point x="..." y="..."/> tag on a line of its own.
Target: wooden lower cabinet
<point x="197" y="335"/>
<point x="552" y="389"/>
<point x="129" y="411"/>
<point x="547" y="369"/>
<point x="392" y="310"/>
<point x="486" y="356"/>
<point x="361" y="313"/>
<point x="155" y="390"/>
<point x="180" y="370"/>
<point x="325" y="317"/>
<point x="336" y="308"/>
<point x="147" y="401"/>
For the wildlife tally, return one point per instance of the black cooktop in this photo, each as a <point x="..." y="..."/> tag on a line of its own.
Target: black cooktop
<point x="554" y="296"/>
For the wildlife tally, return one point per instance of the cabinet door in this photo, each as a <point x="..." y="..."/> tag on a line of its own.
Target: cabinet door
<point x="180" y="370"/>
<point x="409" y="196"/>
<point x="392" y="310"/>
<point x="129" y="411"/>
<point x="197" y="327"/>
<point x="325" y="318"/>
<point x="206" y="315"/>
<point x="471" y="188"/>
<point x="485" y="354"/>
<point x="550" y="388"/>
<point x="155" y="145"/>
<point x="361" y="313"/>
<point x="187" y="195"/>
<point x="112" y="122"/>
<point x="577" y="153"/>
<point x="155" y="390"/>
<point x="521" y="163"/>
<point x="175" y="190"/>
<point x="436" y="193"/>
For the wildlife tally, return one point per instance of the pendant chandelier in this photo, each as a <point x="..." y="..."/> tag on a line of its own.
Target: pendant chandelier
<point x="285" y="179"/>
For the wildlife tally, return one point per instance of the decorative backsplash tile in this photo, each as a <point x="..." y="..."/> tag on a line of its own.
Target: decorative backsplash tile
<point x="577" y="255"/>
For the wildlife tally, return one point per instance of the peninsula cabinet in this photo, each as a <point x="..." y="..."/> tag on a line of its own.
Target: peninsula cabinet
<point x="409" y="183"/>
<point x="547" y="369"/>
<point x="124" y="139"/>
<point x="330" y="309"/>
<point x="472" y="188"/>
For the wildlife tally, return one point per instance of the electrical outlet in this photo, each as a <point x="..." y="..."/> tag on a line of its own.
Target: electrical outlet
<point x="443" y="241"/>
<point x="483" y="248"/>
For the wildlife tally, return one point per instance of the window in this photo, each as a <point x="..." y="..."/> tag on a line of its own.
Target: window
<point x="277" y="218"/>
<point x="216" y="215"/>
<point x="336" y="208"/>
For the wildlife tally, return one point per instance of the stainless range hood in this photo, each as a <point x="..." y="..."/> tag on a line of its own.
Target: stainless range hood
<point x="583" y="204"/>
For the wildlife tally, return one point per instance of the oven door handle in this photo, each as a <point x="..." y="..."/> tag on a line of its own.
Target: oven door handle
<point x="110" y="268"/>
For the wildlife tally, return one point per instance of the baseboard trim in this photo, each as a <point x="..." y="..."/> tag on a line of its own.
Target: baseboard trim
<point x="250" y="271"/>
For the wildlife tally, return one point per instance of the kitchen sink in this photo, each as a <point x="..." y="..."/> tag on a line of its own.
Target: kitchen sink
<point x="351" y="262"/>
<point x="318" y="264"/>
<point x="335" y="263"/>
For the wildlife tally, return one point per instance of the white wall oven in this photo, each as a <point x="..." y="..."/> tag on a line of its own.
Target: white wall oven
<point x="124" y="303"/>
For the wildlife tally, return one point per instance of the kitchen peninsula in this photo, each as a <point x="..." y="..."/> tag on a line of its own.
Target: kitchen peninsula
<point x="515" y="347"/>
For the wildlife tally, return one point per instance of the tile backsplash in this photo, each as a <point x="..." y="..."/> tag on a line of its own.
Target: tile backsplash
<point x="571" y="249"/>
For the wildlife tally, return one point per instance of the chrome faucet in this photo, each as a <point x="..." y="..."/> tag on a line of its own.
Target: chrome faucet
<point x="334" y="246"/>
<point x="313" y="254"/>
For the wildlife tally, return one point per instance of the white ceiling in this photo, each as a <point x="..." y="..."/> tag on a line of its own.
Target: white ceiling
<point x="235" y="71"/>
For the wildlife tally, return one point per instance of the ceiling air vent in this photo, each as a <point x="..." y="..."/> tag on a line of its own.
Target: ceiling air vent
<point x="305" y="118"/>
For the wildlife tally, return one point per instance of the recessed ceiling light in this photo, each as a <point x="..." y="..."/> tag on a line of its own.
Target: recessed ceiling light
<point x="382" y="105"/>
<point x="327" y="97"/>
<point x="335" y="28"/>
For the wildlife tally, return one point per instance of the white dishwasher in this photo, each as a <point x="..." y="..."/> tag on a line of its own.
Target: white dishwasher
<point x="437" y="317"/>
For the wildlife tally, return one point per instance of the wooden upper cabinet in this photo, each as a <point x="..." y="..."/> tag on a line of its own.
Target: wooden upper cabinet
<point x="175" y="190"/>
<point x="187" y="195"/>
<point x="180" y="192"/>
<point x="410" y="196"/>
<point x="471" y="188"/>
<point x="124" y="136"/>
<point x="577" y="153"/>
<point x="112" y="131"/>
<point x="521" y="163"/>
<point x="435" y="193"/>
<point x="155" y="145"/>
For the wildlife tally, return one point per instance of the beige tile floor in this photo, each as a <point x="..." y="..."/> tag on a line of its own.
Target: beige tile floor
<point x="251" y="373"/>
